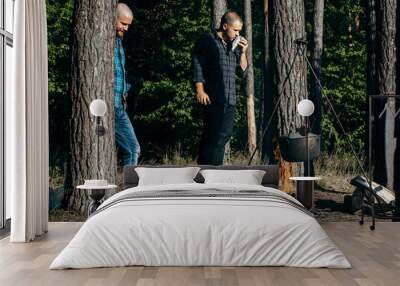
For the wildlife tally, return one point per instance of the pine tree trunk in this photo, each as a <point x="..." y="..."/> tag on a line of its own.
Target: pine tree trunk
<point x="269" y="92"/>
<point x="317" y="54"/>
<point x="371" y="47"/>
<point x="397" y="122"/>
<point x="370" y="11"/>
<point x="227" y="154"/>
<point x="288" y="25"/>
<point x="92" y="77"/>
<point x="218" y="9"/>
<point x="386" y="73"/>
<point x="251" y="120"/>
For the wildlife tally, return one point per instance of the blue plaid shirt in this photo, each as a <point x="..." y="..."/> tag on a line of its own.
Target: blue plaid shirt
<point x="121" y="85"/>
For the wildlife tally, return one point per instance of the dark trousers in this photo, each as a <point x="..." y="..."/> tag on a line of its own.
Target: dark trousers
<point x="218" y="125"/>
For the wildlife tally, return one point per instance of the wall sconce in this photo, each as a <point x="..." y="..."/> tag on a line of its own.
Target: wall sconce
<point x="98" y="109"/>
<point x="292" y="144"/>
<point x="306" y="108"/>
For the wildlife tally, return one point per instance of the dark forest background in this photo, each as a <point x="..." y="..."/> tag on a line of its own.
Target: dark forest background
<point x="162" y="106"/>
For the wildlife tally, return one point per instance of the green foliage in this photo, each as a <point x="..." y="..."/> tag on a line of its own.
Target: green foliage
<point x="59" y="20"/>
<point x="167" y="117"/>
<point x="343" y="73"/>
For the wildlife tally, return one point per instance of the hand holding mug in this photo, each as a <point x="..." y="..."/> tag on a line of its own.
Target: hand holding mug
<point x="243" y="44"/>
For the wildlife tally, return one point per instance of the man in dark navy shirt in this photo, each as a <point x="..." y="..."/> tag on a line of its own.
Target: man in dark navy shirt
<point x="215" y="63"/>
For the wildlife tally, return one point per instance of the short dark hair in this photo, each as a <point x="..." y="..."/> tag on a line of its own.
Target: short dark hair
<point x="228" y="18"/>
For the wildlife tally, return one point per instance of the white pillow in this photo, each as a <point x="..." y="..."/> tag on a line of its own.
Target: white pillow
<point x="164" y="176"/>
<point x="248" y="177"/>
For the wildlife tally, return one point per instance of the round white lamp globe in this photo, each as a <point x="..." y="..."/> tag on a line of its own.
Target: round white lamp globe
<point x="98" y="107"/>
<point x="305" y="107"/>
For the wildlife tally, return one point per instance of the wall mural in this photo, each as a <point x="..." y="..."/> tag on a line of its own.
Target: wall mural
<point x="185" y="83"/>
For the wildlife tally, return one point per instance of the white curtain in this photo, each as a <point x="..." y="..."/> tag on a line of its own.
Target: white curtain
<point x="27" y="124"/>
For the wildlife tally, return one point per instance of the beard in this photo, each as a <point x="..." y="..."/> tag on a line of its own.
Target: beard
<point x="229" y="38"/>
<point x="120" y="33"/>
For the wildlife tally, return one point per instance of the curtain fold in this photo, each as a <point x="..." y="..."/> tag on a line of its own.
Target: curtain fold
<point x="27" y="124"/>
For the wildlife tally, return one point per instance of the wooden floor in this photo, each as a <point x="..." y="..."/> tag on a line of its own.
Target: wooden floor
<point x="374" y="255"/>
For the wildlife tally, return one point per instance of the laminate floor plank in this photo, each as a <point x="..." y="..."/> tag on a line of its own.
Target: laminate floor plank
<point x="374" y="255"/>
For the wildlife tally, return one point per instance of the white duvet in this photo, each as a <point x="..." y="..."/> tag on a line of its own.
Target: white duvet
<point x="200" y="231"/>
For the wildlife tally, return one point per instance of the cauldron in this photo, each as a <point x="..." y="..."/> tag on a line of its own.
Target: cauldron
<point x="293" y="147"/>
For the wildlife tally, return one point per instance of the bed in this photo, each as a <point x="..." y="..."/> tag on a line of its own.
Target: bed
<point x="201" y="224"/>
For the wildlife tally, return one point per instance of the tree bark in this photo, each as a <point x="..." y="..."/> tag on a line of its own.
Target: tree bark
<point x="397" y="122"/>
<point x="371" y="47"/>
<point x="92" y="77"/>
<point x="316" y="63"/>
<point x="227" y="154"/>
<point x="218" y="9"/>
<point x="386" y="74"/>
<point x="370" y="11"/>
<point x="269" y="92"/>
<point x="251" y="119"/>
<point x="288" y="25"/>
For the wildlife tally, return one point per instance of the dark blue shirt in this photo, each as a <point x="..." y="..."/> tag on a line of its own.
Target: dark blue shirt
<point x="216" y="65"/>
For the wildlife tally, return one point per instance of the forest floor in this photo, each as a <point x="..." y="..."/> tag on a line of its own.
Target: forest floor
<point x="328" y="206"/>
<point x="336" y="172"/>
<point x="328" y="203"/>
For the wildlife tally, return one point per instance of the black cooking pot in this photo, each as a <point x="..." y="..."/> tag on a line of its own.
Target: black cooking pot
<point x="293" y="147"/>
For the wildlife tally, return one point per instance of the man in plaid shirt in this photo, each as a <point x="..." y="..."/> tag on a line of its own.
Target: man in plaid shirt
<point x="125" y="136"/>
<point x="215" y="63"/>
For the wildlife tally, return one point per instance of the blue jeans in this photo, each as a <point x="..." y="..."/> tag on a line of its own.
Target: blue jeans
<point x="125" y="136"/>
